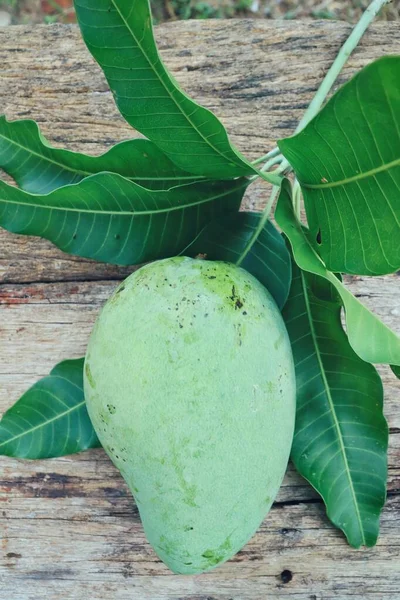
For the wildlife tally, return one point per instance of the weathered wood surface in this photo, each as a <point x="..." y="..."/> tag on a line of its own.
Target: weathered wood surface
<point x="68" y="527"/>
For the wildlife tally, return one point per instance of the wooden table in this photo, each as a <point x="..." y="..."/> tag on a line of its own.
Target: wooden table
<point x="68" y="527"/>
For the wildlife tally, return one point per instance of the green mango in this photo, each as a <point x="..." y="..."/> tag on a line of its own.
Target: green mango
<point x="189" y="382"/>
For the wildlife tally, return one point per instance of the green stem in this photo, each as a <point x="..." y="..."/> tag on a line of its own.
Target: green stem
<point x="345" y="51"/>
<point x="270" y="154"/>
<point x="314" y="107"/>
<point x="274" y="177"/>
<point x="264" y="218"/>
<point x="278" y="173"/>
<point x="271" y="162"/>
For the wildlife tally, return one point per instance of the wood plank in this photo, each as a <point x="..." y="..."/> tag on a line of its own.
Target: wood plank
<point x="68" y="527"/>
<point x="252" y="74"/>
<point x="47" y="322"/>
<point x="99" y="540"/>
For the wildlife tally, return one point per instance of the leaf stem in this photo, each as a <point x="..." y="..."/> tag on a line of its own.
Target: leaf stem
<point x="271" y="154"/>
<point x="274" y="157"/>
<point x="345" y="51"/>
<point x="273" y="177"/>
<point x="272" y="162"/>
<point x="276" y="188"/>
<point x="327" y="83"/>
<point x="261" y="224"/>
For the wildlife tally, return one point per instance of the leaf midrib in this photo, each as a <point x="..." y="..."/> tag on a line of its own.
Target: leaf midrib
<point x="50" y="160"/>
<point x="331" y="406"/>
<point x="155" y="71"/>
<point x="121" y="213"/>
<point x="343" y="291"/>
<point x="44" y="424"/>
<point x="358" y="177"/>
<point x="85" y="173"/>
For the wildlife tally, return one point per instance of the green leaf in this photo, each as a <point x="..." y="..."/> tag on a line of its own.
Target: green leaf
<point x="341" y="436"/>
<point x="371" y="339"/>
<point x="396" y="371"/>
<point x="229" y="239"/>
<point x="112" y="219"/>
<point x="347" y="160"/>
<point x="50" y="419"/>
<point x="120" y="37"/>
<point x="37" y="167"/>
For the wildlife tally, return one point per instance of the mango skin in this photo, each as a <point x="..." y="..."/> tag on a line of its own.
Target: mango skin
<point x="189" y="382"/>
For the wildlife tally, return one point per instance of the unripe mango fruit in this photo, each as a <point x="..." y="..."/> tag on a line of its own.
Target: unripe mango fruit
<point x="189" y="382"/>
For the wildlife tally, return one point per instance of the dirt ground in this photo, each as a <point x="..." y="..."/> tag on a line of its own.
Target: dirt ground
<point x="49" y="11"/>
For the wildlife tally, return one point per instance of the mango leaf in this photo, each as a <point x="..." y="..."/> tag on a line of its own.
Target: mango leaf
<point x="119" y="35"/>
<point x="371" y="339"/>
<point x="341" y="436"/>
<point x="396" y="371"/>
<point x="347" y="160"/>
<point x="37" y="167"/>
<point x="229" y="238"/>
<point x="50" y="419"/>
<point x="112" y="219"/>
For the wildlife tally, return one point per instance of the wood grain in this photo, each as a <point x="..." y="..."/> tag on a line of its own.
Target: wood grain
<point x="68" y="527"/>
